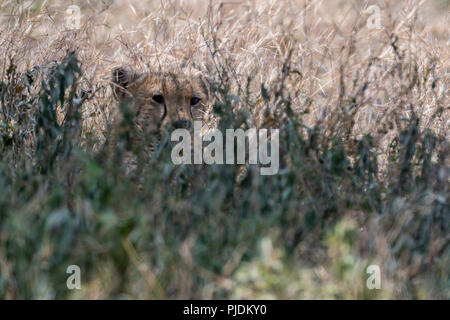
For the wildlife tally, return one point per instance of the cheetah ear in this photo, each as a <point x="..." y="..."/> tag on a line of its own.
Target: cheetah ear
<point x="122" y="79"/>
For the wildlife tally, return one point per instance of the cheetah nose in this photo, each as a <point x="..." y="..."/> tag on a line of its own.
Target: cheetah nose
<point x="181" y="124"/>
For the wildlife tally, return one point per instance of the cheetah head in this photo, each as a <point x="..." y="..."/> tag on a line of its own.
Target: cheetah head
<point x="159" y="99"/>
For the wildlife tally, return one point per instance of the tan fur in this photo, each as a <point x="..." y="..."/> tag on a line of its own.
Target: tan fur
<point x="158" y="100"/>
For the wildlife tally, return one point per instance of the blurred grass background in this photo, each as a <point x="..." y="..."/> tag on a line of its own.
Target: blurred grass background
<point x="364" y="134"/>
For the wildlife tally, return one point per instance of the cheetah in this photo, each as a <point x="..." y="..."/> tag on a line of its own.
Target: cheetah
<point x="157" y="100"/>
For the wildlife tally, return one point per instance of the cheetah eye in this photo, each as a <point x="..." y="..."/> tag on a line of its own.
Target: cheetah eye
<point x="195" y="101"/>
<point x="158" y="98"/>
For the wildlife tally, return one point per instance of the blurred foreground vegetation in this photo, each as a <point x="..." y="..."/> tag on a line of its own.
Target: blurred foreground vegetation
<point x="166" y="231"/>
